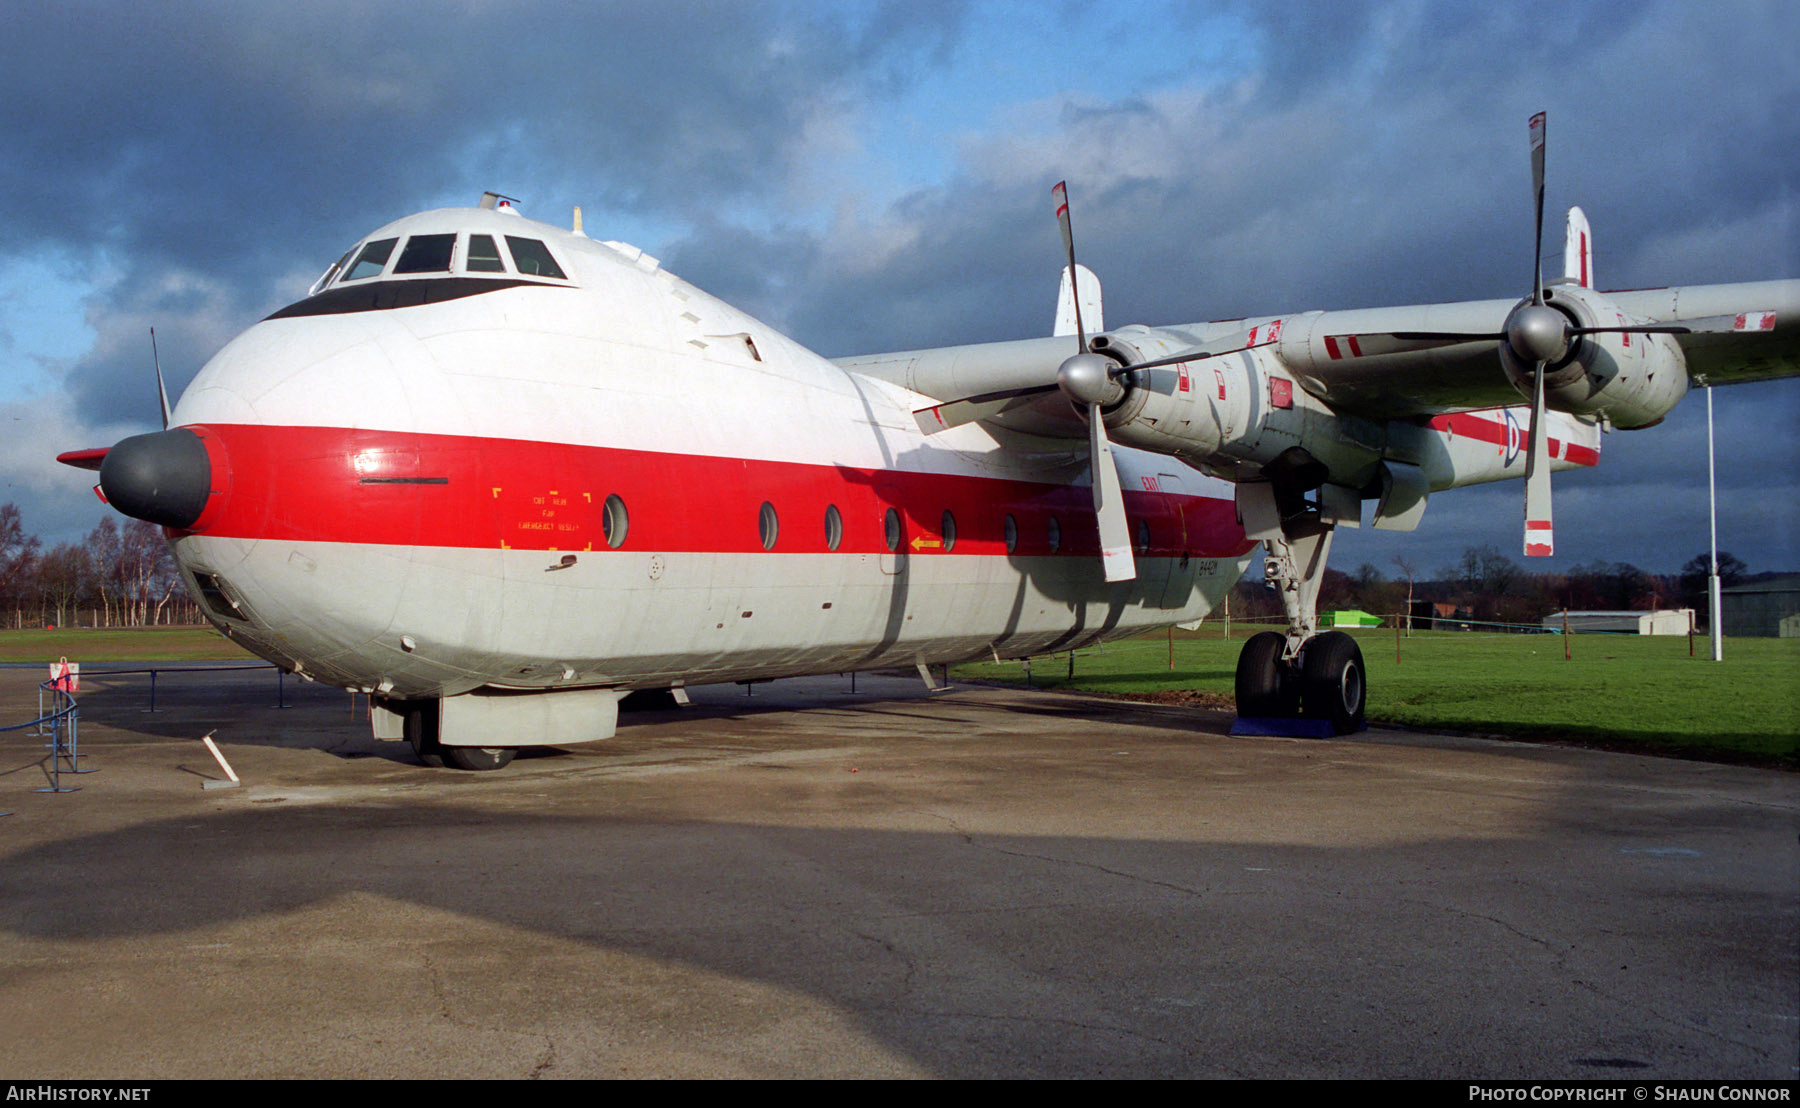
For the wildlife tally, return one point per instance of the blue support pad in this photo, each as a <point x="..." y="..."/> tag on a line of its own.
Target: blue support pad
<point x="1287" y="727"/>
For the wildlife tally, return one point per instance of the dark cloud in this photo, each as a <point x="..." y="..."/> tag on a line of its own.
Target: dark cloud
<point x="231" y="143"/>
<point x="217" y="155"/>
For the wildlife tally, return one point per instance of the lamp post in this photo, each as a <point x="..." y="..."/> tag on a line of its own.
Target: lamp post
<point x="1715" y="617"/>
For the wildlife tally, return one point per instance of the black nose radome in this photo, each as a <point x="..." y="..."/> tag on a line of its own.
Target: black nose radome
<point x="163" y="477"/>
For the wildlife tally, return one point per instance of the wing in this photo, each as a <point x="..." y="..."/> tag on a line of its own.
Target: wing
<point x="1390" y="363"/>
<point x="1746" y="353"/>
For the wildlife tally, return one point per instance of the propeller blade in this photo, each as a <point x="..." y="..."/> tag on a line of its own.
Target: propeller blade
<point x="1445" y="336"/>
<point x="1705" y="325"/>
<point x="162" y="393"/>
<point x="1539" y="534"/>
<point x="973" y="409"/>
<point x="1061" y="195"/>
<point x="1537" y="187"/>
<point x="1261" y="335"/>
<point x="1109" y="502"/>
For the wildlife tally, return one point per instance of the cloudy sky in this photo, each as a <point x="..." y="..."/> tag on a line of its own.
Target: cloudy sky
<point x="875" y="176"/>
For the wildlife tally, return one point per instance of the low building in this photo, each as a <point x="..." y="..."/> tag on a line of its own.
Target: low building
<point x="1762" y="609"/>
<point x="1666" y="621"/>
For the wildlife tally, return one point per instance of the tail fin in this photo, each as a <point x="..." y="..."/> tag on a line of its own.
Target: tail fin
<point x="1578" y="250"/>
<point x="1091" y="317"/>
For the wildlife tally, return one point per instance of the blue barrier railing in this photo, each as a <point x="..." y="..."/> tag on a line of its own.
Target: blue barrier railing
<point x="64" y="723"/>
<point x="280" y="677"/>
<point x="60" y="718"/>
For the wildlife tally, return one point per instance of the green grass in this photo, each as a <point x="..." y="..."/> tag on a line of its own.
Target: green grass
<point x="1617" y="691"/>
<point x="119" y="644"/>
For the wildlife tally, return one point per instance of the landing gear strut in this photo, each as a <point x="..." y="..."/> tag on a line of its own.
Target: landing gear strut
<point x="1301" y="672"/>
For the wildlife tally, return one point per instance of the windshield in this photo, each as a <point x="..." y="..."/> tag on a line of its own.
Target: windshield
<point x="372" y="260"/>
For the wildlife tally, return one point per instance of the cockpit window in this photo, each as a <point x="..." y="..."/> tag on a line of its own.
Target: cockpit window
<point x="484" y="256"/>
<point x="531" y="256"/>
<point x="325" y="278"/>
<point x="372" y="260"/>
<point x="426" y="254"/>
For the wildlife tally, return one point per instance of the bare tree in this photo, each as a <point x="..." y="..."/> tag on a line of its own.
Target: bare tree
<point x="1409" y="571"/>
<point x="103" y="551"/>
<point x="64" y="579"/>
<point x="18" y="553"/>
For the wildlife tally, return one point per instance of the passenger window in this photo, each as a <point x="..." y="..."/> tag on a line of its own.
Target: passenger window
<point x="426" y="254"/>
<point x="614" y="521"/>
<point x="484" y="256"/>
<point x="531" y="256"/>
<point x="372" y="260"/>
<point x="768" y="527"/>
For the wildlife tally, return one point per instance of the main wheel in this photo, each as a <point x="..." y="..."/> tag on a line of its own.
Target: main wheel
<point x="420" y="726"/>
<point x="1261" y="682"/>
<point x="476" y="757"/>
<point x="1332" y="684"/>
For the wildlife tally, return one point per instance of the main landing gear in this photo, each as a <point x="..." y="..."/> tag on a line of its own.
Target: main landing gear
<point x="421" y="729"/>
<point x="1301" y="672"/>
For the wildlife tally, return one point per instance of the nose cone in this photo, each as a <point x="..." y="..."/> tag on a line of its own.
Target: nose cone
<point x="164" y="477"/>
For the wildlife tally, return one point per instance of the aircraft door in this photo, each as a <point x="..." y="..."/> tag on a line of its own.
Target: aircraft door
<point x="1172" y="542"/>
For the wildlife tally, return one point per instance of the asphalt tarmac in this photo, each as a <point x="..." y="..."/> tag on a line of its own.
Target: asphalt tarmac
<point x="812" y="882"/>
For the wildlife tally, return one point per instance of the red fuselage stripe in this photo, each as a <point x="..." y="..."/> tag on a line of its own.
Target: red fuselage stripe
<point x="387" y="488"/>
<point x="1482" y="430"/>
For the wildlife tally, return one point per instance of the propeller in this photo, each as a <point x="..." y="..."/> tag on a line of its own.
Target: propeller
<point x="1091" y="380"/>
<point x="1088" y="379"/>
<point x="1085" y="377"/>
<point x="1532" y="329"/>
<point x="1539" y="335"/>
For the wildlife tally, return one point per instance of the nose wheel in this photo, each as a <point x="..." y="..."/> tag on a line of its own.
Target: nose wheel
<point x="421" y="728"/>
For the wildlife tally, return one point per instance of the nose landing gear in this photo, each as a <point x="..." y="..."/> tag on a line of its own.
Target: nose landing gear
<point x="421" y="725"/>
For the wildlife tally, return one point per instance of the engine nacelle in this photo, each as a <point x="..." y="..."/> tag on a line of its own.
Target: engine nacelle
<point x="1634" y="380"/>
<point x="1242" y="409"/>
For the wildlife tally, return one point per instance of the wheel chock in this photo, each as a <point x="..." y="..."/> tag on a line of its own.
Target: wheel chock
<point x="1287" y="727"/>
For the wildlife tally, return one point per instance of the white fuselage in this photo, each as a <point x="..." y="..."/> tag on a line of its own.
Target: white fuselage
<point x="541" y="484"/>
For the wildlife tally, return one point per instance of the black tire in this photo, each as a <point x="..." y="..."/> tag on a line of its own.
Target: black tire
<point x="477" y="758"/>
<point x="420" y="724"/>
<point x="1333" y="683"/>
<point x="1261" y="680"/>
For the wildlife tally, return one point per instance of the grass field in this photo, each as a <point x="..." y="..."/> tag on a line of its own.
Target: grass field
<point x="119" y="644"/>
<point x="1618" y="691"/>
